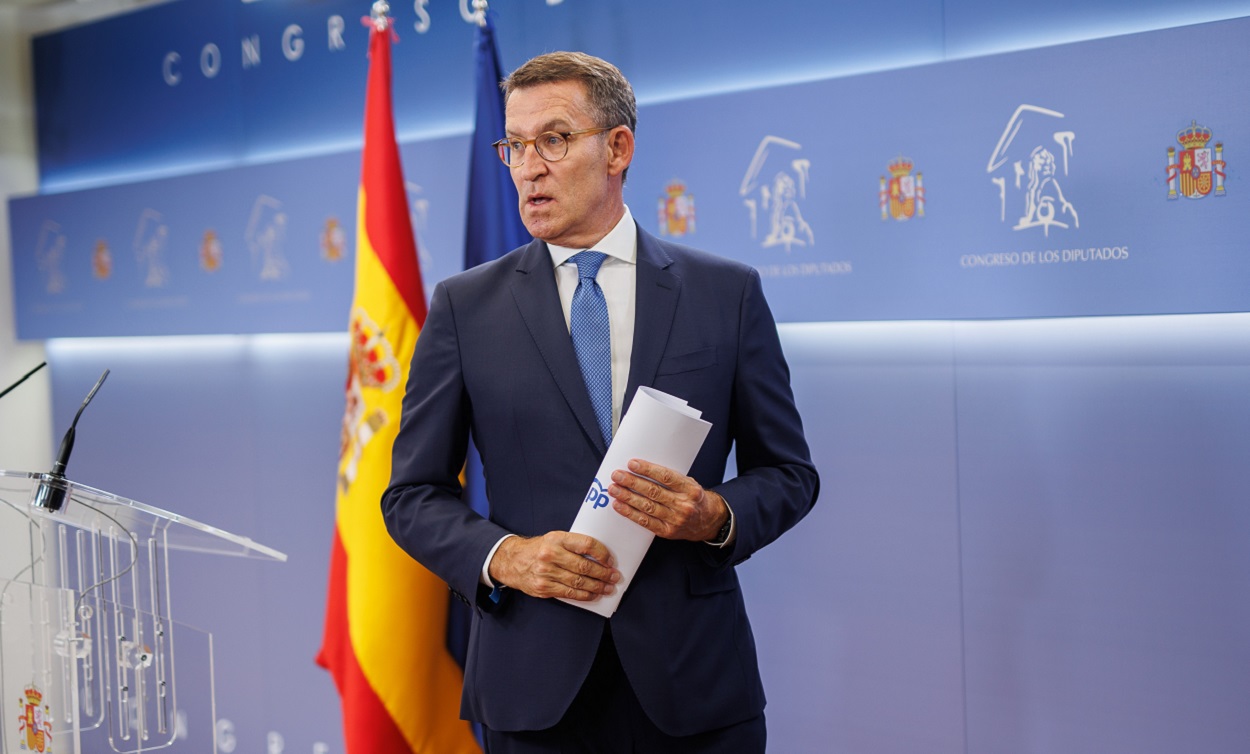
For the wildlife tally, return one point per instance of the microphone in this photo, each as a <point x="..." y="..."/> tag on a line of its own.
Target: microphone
<point x="53" y="486"/>
<point x="26" y="376"/>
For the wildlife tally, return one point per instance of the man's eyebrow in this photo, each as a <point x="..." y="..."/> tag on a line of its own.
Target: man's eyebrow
<point x="559" y="124"/>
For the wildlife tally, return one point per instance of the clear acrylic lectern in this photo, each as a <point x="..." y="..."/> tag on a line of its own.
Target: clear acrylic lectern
<point x="86" y="634"/>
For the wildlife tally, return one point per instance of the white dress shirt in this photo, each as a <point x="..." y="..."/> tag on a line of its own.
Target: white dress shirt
<point x="618" y="279"/>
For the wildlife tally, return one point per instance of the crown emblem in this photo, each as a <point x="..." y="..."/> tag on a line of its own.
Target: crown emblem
<point x="900" y="166"/>
<point x="675" y="210"/>
<point x="902" y="195"/>
<point x="1194" y="136"/>
<point x="1196" y="171"/>
<point x="33" y="695"/>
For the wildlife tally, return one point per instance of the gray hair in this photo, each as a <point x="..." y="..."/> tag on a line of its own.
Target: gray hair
<point x="610" y="96"/>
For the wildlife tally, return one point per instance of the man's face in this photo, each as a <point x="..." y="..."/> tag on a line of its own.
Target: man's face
<point x="575" y="201"/>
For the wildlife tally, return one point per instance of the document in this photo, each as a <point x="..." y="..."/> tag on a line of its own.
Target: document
<point x="658" y="428"/>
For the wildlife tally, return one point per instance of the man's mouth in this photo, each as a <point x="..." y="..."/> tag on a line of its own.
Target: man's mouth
<point x="537" y="200"/>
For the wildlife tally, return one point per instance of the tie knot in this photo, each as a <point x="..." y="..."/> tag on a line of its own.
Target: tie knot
<point x="588" y="263"/>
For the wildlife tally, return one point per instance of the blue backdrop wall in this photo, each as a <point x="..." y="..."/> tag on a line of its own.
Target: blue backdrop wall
<point x="1031" y="535"/>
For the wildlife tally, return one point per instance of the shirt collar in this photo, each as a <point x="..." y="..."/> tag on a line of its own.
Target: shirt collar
<point x="620" y="242"/>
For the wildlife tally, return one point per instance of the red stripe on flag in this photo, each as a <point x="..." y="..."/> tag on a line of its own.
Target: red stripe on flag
<point x="371" y="728"/>
<point x="387" y="221"/>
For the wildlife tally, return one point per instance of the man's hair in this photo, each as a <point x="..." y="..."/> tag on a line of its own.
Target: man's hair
<point x="608" y="91"/>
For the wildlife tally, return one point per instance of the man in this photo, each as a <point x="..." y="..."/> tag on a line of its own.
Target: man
<point x="503" y="358"/>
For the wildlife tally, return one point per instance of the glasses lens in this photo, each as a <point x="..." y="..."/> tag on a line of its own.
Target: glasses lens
<point x="510" y="151"/>
<point x="551" y="146"/>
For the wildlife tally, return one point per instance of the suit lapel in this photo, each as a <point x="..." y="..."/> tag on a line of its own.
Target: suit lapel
<point x="655" y="305"/>
<point x="536" y="296"/>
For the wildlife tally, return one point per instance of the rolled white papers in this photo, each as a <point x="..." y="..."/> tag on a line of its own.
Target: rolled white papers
<point x="658" y="428"/>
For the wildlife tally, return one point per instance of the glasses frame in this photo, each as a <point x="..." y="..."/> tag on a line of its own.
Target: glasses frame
<point x="564" y="135"/>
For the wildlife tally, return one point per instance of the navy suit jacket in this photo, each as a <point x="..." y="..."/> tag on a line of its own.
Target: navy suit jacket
<point x="495" y="360"/>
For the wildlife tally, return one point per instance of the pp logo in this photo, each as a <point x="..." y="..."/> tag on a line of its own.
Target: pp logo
<point x="597" y="495"/>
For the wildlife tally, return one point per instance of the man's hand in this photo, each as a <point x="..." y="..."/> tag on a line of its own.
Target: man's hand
<point x="676" y="508"/>
<point x="557" y="564"/>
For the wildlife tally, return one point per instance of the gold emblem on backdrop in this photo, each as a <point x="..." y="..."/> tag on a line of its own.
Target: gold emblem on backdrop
<point x="101" y="260"/>
<point x="210" y="251"/>
<point x="332" y="240"/>
<point x="901" y="196"/>
<point x="676" y="210"/>
<point x="1196" y="171"/>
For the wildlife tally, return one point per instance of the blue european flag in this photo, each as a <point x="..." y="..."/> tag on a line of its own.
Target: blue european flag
<point x="493" y="221"/>
<point x="492" y="228"/>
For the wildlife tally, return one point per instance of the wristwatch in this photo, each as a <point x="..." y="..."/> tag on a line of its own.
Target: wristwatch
<point x="723" y="535"/>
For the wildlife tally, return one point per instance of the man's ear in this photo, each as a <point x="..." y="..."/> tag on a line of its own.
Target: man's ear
<point x="620" y="149"/>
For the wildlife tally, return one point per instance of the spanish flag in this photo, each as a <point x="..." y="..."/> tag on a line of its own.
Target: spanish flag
<point x="386" y="616"/>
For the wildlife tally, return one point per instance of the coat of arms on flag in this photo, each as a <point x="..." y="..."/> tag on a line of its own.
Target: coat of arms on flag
<point x="902" y="196"/>
<point x="371" y="366"/>
<point x="1197" y="168"/>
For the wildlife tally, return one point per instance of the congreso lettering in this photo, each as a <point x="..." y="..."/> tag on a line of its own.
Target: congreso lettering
<point x="210" y="58"/>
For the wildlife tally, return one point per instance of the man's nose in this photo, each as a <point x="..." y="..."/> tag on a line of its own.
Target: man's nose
<point x="532" y="165"/>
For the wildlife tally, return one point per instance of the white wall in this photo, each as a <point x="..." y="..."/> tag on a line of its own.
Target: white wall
<point x="25" y="413"/>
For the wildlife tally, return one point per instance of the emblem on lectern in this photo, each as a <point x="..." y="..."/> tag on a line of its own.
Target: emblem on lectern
<point x="34" y="726"/>
<point x="902" y="195"/>
<point x="372" y="367"/>
<point x="1197" y="168"/>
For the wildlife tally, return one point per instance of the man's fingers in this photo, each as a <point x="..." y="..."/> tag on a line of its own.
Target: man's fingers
<point x="665" y="479"/>
<point x="669" y="504"/>
<point x="587" y="546"/>
<point x="659" y="483"/>
<point x="556" y="565"/>
<point x="662" y="474"/>
<point x="634" y="496"/>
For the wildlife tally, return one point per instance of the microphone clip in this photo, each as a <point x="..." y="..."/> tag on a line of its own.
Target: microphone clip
<point x="51" y="493"/>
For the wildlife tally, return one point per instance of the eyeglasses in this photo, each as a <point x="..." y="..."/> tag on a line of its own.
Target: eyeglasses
<point x="552" y="146"/>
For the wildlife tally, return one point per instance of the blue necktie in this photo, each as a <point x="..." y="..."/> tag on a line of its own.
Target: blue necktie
<point x="588" y="324"/>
